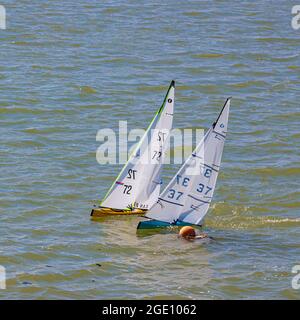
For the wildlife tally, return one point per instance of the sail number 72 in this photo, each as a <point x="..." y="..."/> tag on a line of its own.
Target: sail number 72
<point x="127" y="188"/>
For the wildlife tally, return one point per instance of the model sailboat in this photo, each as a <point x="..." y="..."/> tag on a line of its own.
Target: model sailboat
<point x="186" y="199"/>
<point x="137" y="187"/>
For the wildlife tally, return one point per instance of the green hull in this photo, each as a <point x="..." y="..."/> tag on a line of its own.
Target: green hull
<point x="154" y="224"/>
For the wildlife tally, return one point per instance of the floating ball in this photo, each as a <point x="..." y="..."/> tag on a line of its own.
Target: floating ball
<point x="187" y="232"/>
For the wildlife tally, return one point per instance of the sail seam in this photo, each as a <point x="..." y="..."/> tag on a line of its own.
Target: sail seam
<point x="178" y="204"/>
<point x="220" y="134"/>
<point x="189" y="195"/>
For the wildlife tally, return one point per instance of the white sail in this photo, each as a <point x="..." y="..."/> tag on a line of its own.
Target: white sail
<point x="188" y="195"/>
<point x="138" y="184"/>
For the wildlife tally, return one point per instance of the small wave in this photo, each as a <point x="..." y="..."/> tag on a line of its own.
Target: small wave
<point x="282" y="220"/>
<point x="251" y="222"/>
<point x="291" y="115"/>
<point x="193" y="13"/>
<point x="97" y="106"/>
<point x="228" y="216"/>
<point x="254" y="133"/>
<point x="296" y="135"/>
<point x="294" y="67"/>
<point x="257" y="56"/>
<point x="20" y="110"/>
<point x="150" y="88"/>
<point x="208" y="55"/>
<point x="247" y="84"/>
<point x="269" y="171"/>
<point x="264" y="23"/>
<point x="46" y="130"/>
<point x="16" y="110"/>
<point x="115" y="60"/>
<point x="239" y="65"/>
<point x="277" y="40"/>
<point x="22" y="43"/>
<point x="25" y="143"/>
<point x="283" y="59"/>
<point x="277" y="171"/>
<point x="87" y="90"/>
<point x="111" y="10"/>
<point x="295" y="204"/>
<point x="261" y="73"/>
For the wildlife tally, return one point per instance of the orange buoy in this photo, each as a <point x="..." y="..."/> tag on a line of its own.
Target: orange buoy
<point x="187" y="232"/>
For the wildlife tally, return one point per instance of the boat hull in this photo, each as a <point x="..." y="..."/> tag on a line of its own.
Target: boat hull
<point x="102" y="211"/>
<point x="155" y="224"/>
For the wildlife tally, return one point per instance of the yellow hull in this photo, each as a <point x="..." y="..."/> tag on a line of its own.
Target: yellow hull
<point x="100" y="212"/>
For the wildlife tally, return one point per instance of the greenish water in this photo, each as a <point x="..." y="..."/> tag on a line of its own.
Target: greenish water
<point x="71" y="68"/>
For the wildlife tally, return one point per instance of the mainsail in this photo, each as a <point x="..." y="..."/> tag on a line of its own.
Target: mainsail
<point x="138" y="184"/>
<point x="188" y="195"/>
